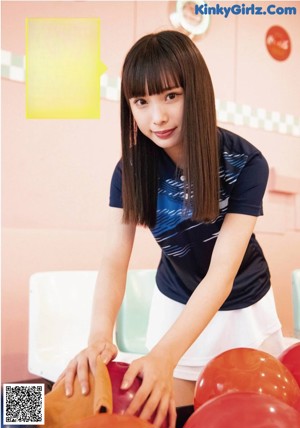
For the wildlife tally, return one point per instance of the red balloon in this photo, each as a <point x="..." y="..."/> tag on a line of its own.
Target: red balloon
<point x="104" y="420"/>
<point x="121" y="397"/>
<point x="291" y="359"/>
<point x="246" y="370"/>
<point x="244" y="410"/>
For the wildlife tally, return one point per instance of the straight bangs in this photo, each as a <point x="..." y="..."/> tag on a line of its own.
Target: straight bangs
<point x="151" y="70"/>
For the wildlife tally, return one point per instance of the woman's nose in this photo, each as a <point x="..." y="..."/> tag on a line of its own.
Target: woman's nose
<point x="159" y="115"/>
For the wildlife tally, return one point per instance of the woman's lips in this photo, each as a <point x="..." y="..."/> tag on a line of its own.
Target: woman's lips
<point x="164" y="134"/>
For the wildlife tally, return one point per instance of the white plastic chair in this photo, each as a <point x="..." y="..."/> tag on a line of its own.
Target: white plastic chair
<point x="59" y="318"/>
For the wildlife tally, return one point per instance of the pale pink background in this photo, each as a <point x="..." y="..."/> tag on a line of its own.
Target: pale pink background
<point x="56" y="173"/>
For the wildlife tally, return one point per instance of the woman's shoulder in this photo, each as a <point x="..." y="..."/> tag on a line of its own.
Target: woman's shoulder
<point x="240" y="159"/>
<point x="235" y="144"/>
<point x="118" y="166"/>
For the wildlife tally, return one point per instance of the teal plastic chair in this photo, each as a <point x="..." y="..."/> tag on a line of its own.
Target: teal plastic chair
<point x="132" y="320"/>
<point x="296" y="301"/>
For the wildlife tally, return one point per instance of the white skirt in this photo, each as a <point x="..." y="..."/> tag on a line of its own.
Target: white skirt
<point x="249" y="327"/>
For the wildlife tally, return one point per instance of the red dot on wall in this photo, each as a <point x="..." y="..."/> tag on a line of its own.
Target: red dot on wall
<point x="278" y="43"/>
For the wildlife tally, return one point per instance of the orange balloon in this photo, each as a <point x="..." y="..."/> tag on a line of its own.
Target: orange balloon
<point x="246" y="370"/>
<point x="105" y="420"/>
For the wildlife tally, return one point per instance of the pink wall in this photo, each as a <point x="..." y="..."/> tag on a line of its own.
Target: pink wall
<point x="56" y="173"/>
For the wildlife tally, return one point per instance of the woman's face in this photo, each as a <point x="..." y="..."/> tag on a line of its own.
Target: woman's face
<point x="159" y="117"/>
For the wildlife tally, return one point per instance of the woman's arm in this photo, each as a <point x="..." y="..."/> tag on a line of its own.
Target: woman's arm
<point x="111" y="280"/>
<point x="159" y="364"/>
<point x="108" y="296"/>
<point x="206" y="300"/>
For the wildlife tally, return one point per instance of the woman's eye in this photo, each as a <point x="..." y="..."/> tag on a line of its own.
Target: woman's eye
<point x="172" y="95"/>
<point x="140" y="102"/>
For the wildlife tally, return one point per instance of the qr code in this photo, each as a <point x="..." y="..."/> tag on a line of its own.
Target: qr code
<point x="23" y="404"/>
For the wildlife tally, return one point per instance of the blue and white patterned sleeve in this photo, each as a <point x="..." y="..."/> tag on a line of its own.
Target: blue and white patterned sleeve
<point x="248" y="191"/>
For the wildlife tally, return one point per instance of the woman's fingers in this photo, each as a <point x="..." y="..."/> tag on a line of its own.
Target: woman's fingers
<point x="90" y="357"/>
<point x="84" y="362"/>
<point x="78" y="366"/>
<point x="83" y="375"/>
<point x="142" y="393"/>
<point x="172" y="413"/>
<point x="154" y="397"/>
<point x="70" y="374"/>
<point x="108" y="353"/>
<point x="156" y="403"/>
<point x="166" y="410"/>
<point x="138" y="401"/>
<point x="131" y="373"/>
<point x="60" y="377"/>
<point x="161" y="406"/>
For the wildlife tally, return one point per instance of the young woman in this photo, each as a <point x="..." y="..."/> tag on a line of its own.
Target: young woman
<point x="199" y="188"/>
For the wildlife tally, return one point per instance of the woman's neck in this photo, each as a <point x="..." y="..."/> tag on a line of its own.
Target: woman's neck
<point x="176" y="154"/>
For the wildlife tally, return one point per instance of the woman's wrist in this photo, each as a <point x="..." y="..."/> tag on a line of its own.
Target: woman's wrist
<point x="164" y="352"/>
<point x="99" y="336"/>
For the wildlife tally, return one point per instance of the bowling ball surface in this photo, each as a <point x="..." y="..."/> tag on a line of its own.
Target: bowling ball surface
<point x="123" y="397"/>
<point x="105" y="420"/>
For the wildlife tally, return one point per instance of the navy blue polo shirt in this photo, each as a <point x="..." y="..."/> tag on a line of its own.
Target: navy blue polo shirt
<point x="187" y="245"/>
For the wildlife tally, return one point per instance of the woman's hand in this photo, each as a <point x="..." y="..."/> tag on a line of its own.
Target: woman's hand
<point x="84" y="362"/>
<point x="156" y="391"/>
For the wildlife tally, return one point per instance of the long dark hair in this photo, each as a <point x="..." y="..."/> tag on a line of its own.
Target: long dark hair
<point x="158" y="61"/>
